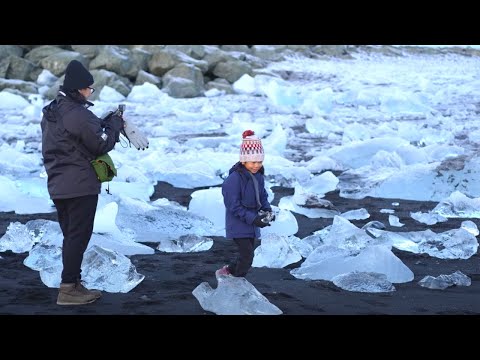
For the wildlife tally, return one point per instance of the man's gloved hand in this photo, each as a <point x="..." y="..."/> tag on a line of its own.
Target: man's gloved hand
<point x="104" y="119"/>
<point x="135" y="136"/>
<point x="259" y="221"/>
<point x="115" y="122"/>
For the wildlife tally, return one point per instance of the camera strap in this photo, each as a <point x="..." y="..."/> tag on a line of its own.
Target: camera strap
<point x="255" y="185"/>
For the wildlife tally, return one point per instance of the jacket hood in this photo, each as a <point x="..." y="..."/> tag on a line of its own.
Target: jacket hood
<point x="240" y="168"/>
<point x="50" y="111"/>
<point x="235" y="167"/>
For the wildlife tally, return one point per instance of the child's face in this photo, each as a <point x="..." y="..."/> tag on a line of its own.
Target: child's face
<point x="253" y="166"/>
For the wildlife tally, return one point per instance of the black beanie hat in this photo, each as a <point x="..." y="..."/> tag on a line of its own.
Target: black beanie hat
<point x="76" y="76"/>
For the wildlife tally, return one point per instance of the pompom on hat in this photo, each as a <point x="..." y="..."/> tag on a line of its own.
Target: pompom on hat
<point x="251" y="148"/>
<point x="77" y="76"/>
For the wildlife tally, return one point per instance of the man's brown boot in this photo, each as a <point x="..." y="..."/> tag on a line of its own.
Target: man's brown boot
<point x="72" y="294"/>
<point x="81" y="287"/>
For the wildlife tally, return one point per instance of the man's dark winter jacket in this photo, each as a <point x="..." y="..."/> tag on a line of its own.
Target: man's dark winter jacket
<point x="72" y="136"/>
<point x="241" y="205"/>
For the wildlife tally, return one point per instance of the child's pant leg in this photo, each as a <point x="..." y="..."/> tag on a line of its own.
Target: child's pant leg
<point x="245" y="258"/>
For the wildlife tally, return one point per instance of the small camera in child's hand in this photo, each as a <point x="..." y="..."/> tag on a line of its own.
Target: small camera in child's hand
<point x="269" y="216"/>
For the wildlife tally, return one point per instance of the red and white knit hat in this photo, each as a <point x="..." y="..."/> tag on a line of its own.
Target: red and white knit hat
<point x="251" y="148"/>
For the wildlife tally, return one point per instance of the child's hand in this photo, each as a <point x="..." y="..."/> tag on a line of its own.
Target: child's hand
<point x="260" y="221"/>
<point x="269" y="215"/>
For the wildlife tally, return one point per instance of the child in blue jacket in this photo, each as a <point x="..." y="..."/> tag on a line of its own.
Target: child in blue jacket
<point x="246" y="204"/>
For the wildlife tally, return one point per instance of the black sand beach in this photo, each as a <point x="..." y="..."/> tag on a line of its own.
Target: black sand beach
<point x="170" y="278"/>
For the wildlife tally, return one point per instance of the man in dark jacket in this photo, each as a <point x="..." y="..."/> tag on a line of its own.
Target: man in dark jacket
<point x="246" y="204"/>
<point x="72" y="136"/>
